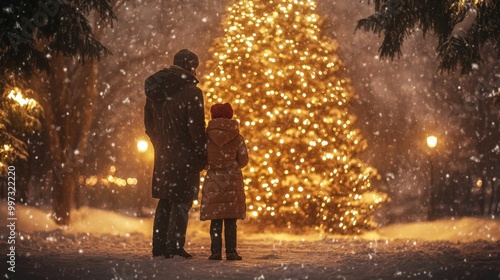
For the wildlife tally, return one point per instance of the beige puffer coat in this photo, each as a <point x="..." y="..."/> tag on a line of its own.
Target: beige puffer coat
<point x="223" y="194"/>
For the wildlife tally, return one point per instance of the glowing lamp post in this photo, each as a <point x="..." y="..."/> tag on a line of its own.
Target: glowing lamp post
<point x="142" y="146"/>
<point x="431" y="143"/>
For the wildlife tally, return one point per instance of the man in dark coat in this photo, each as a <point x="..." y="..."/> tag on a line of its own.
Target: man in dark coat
<point x="175" y="124"/>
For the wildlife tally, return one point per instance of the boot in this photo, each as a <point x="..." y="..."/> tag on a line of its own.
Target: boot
<point x="181" y="252"/>
<point x="231" y="236"/>
<point x="215" y="257"/>
<point x="233" y="257"/>
<point x="216" y="238"/>
<point x="168" y="254"/>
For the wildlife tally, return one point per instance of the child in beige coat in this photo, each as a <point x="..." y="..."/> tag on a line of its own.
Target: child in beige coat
<point x="223" y="194"/>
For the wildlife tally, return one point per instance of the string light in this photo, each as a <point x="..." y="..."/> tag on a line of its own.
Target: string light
<point x="110" y="180"/>
<point x="288" y="88"/>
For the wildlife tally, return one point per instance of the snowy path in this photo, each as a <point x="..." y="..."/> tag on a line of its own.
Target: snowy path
<point x="115" y="257"/>
<point x="105" y="245"/>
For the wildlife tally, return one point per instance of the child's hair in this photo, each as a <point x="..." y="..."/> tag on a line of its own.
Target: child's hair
<point x="221" y="111"/>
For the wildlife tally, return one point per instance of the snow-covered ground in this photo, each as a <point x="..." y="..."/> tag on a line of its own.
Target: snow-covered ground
<point x="106" y="245"/>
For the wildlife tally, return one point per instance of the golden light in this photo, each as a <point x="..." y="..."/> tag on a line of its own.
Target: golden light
<point x="432" y="141"/>
<point x="16" y="95"/>
<point x="142" y="146"/>
<point x="302" y="108"/>
<point x="479" y="183"/>
<point x="91" y="181"/>
<point x="132" y="181"/>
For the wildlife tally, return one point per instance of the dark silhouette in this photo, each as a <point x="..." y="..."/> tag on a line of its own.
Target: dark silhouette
<point x="174" y="121"/>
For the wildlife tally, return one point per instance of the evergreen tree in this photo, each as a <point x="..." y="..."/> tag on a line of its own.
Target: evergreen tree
<point x="49" y="38"/>
<point x="468" y="33"/>
<point x="463" y="27"/>
<point x="19" y="117"/>
<point x="34" y="31"/>
<point x="291" y="96"/>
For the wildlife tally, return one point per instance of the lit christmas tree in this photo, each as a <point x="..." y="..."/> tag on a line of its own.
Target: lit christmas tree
<point x="285" y="82"/>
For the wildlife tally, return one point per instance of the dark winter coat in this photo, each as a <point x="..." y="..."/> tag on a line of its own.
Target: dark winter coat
<point x="175" y="124"/>
<point x="223" y="194"/>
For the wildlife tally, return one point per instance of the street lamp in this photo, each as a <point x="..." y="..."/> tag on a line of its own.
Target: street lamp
<point x="431" y="143"/>
<point x="142" y="146"/>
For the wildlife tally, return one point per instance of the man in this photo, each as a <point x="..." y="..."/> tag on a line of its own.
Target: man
<point x="174" y="121"/>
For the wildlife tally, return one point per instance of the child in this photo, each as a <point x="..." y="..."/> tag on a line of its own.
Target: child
<point x="223" y="194"/>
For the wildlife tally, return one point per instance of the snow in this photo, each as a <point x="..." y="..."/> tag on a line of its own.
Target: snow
<point x="460" y="29"/>
<point x="106" y="245"/>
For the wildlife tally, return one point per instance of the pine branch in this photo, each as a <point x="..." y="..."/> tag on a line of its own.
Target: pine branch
<point x="462" y="29"/>
<point x="27" y="43"/>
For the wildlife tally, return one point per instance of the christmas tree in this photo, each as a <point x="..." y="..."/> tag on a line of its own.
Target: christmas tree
<point x="286" y="84"/>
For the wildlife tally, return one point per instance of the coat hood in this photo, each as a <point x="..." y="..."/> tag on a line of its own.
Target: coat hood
<point x="222" y="131"/>
<point x="165" y="83"/>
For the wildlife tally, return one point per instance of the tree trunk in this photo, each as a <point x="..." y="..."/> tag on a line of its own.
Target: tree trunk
<point x="493" y="205"/>
<point x="482" y="197"/>
<point x="23" y="174"/>
<point x="68" y="104"/>
<point x="63" y="198"/>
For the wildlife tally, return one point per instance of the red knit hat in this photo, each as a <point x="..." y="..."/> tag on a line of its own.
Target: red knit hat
<point x="221" y="111"/>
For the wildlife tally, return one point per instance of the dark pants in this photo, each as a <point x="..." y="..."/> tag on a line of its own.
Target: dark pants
<point x="170" y="224"/>
<point x="229" y="235"/>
